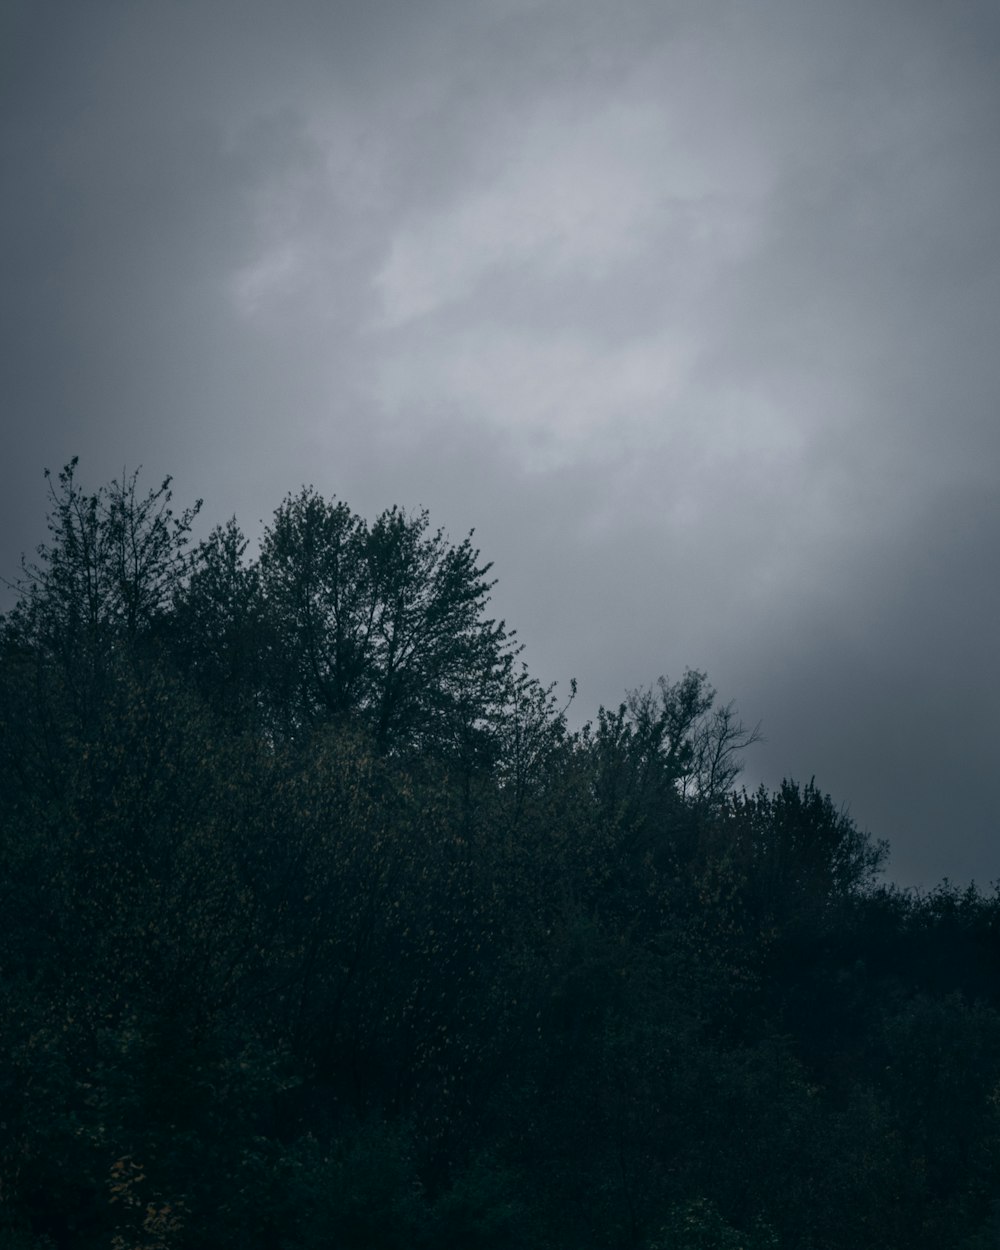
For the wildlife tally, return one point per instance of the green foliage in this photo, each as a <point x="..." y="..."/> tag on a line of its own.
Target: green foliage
<point x="697" y="1225"/>
<point x="113" y="560"/>
<point x="322" y="929"/>
<point x="361" y="1194"/>
<point x="800" y="853"/>
<point x="381" y="624"/>
<point x="481" y="1210"/>
<point x="220" y="628"/>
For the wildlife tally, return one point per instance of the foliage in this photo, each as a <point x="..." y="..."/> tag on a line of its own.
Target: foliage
<point x="322" y="928"/>
<point x="697" y="1225"/>
<point x="382" y="624"/>
<point x="107" y="573"/>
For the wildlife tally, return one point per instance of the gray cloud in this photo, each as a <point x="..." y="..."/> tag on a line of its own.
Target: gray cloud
<point x="688" y="308"/>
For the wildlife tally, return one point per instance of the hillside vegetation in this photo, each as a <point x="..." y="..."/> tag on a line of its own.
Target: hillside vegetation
<point x="322" y="929"/>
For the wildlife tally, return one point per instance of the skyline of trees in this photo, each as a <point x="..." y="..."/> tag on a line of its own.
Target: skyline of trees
<point x="322" y="928"/>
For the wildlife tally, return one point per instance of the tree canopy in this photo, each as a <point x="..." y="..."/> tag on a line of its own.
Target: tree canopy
<point x="324" y="928"/>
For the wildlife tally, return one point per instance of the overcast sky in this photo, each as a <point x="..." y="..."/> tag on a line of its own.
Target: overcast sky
<point x="691" y="309"/>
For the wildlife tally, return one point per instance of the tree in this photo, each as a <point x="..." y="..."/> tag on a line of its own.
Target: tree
<point x="801" y="853"/>
<point x="104" y="580"/>
<point x="219" y="627"/>
<point x="384" y="624"/>
<point x="698" y="743"/>
<point x="322" y="924"/>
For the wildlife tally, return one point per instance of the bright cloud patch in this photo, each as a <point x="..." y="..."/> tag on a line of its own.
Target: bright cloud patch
<point x="573" y="194"/>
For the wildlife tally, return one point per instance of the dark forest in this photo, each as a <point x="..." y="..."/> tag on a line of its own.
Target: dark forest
<point x="323" y="928"/>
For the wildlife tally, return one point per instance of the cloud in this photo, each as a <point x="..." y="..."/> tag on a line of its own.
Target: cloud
<point x="577" y="185"/>
<point x="689" y="308"/>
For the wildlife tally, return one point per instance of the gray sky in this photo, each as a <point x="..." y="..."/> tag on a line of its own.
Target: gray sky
<point x="689" y="308"/>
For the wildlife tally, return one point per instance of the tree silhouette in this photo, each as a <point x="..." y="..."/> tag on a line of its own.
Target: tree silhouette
<point x="322" y="927"/>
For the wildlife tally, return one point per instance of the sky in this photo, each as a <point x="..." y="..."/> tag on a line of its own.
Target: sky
<point x="689" y="307"/>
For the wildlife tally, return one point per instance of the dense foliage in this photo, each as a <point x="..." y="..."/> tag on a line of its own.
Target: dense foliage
<point x="322" y="929"/>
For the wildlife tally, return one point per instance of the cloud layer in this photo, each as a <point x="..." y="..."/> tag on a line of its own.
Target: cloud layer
<point x="689" y="308"/>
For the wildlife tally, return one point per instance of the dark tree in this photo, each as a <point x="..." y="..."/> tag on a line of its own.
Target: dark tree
<point x="321" y="927"/>
<point x="383" y="624"/>
<point x="802" y="854"/>
<point x="110" y="567"/>
<point x="103" y="582"/>
<point x="219" y="630"/>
